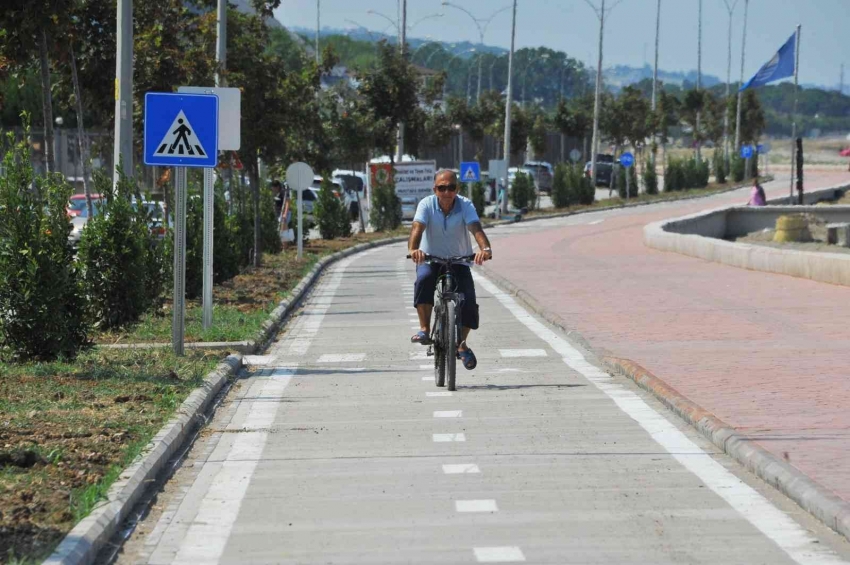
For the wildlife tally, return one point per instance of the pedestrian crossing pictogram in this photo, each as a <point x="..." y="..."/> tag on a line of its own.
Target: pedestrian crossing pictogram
<point x="469" y="176"/>
<point x="180" y="140"/>
<point x="470" y="171"/>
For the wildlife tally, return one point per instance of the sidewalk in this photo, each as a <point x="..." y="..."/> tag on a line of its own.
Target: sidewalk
<point x="768" y="354"/>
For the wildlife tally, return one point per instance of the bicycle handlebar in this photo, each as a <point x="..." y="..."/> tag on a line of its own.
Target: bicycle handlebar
<point x="460" y="259"/>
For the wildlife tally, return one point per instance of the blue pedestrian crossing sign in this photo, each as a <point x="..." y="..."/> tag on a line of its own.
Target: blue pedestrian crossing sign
<point x="181" y="130"/>
<point x="470" y="172"/>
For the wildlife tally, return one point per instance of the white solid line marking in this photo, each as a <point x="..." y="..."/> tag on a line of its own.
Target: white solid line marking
<point x="448" y="438"/>
<point x="415" y="328"/>
<point x="522" y="352"/>
<point x="426" y="366"/>
<point x="461" y="469"/>
<point x="597" y="222"/>
<point x="476" y="506"/>
<point x="448" y="413"/>
<point x="341" y="357"/>
<point x="508" y="554"/>
<point x="427" y="378"/>
<point x="205" y="539"/>
<point x="797" y="542"/>
<point x="438" y="393"/>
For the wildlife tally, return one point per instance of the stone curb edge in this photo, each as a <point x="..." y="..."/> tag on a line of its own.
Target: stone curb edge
<point x="84" y="542"/>
<point x="495" y="223"/>
<point x="809" y="495"/>
<point x="819" y="501"/>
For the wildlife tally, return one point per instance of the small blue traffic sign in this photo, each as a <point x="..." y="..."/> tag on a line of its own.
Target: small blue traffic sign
<point x="470" y="172"/>
<point x="627" y="159"/>
<point x="181" y="130"/>
<point x="746" y="151"/>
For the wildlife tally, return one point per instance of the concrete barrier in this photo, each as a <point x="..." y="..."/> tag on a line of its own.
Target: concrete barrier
<point x="700" y="235"/>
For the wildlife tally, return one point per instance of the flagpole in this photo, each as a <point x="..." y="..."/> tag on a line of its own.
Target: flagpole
<point x="794" y="113"/>
<point x="741" y="92"/>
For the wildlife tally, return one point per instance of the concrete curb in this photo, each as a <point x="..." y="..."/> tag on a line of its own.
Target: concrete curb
<point x="697" y="235"/>
<point x="84" y="542"/>
<point x="819" y="501"/>
<point x="812" y="497"/>
<point x="495" y="223"/>
<point x="86" y="539"/>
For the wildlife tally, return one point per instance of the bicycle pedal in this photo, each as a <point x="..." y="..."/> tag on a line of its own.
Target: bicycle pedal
<point x="430" y="351"/>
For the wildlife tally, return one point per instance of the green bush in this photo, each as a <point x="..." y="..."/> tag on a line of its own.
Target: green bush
<point x="42" y="308"/>
<point x="269" y="224"/>
<point x="478" y="197"/>
<point x="226" y="263"/>
<point x="386" y="208"/>
<point x="621" y="182"/>
<point x="738" y="165"/>
<point x="583" y="190"/>
<point x="650" y="177"/>
<point x="114" y="256"/>
<point x="703" y="173"/>
<point x="331" y="215"/>
<point x="194" y="246"/>
<point x="561" y="192"/>
<point x="719" y="165"/>
<point x="522" y="191"/>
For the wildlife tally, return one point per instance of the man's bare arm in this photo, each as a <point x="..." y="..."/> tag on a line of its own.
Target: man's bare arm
<point x="415" y="236"/>
<point x="478" y="233"/>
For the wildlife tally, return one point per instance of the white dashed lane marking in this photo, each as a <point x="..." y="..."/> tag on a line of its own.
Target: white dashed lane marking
<point x="509" y="554"/>
<point x="461" y="469"/>
<point x="448" y="438"/>
<point x="438" y="393"/>
<point x="476" y="506"/>
<point x="522" y="352"/>
<point x="448" y="413"/>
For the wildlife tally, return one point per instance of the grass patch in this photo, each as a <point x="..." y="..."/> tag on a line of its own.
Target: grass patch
<point x="68" y="429"/>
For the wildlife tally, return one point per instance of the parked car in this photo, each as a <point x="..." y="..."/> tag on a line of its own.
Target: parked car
<point x="604" y="169"/>
<point x="77" y="203"/>
<point x="308" y="201"/>
<point x="542" y="173"/>
<point x="79" y="221"/>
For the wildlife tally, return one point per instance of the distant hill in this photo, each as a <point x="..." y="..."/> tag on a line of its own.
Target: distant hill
<point x="622" y="75"/>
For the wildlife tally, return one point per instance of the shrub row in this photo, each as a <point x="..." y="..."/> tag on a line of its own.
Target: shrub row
<point x="683" y="174"/>
<point x="571" y="187"/>
<point x="51" y="300"/>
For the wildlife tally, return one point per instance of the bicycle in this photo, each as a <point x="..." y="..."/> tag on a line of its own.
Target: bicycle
<point x="447" y="321"/>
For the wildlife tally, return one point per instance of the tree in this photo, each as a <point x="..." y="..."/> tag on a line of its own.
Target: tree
<point x="537" y="137"/>
<point x="693" y="104"/>
<point x="752" y="116"/>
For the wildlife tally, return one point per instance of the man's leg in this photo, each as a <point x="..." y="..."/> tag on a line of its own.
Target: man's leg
<point x="469" y="315"/>
<point x="464" y="333"/>
<point x="424" y="311"/>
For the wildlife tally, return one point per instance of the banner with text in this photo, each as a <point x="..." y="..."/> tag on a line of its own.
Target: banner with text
<point x="412" y="178"/>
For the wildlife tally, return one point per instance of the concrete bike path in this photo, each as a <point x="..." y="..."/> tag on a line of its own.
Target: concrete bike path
<point x="338" y="448"/>
<point x="768" y="354"/>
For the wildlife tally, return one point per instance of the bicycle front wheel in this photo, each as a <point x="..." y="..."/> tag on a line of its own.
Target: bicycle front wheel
<point x="439" y="349"/>
<point x="450" y="331"/>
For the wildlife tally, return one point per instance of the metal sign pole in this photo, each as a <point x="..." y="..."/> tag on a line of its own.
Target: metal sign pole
<point x="627" y="184"/>
<point x="208" y="248"/>
<point x="300" y="225"/>
<point x="179" y="299"/>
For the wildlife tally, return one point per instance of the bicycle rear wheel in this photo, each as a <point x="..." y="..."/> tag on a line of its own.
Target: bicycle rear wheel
<point x="439" y="349"/>
<point x="450" y="331"/>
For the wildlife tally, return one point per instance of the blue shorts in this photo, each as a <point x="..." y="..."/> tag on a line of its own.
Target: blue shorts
<point x="426" y="285"/>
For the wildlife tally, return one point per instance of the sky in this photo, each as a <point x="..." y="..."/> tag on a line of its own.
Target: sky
<point x="572" y="26"/>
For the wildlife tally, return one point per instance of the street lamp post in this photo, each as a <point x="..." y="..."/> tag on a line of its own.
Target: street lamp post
<point x="655" y="77"/>
<point x="482" y="29"/>
<point x="508" y="102"/>
<point x="318" y="26"/>
<point x="740" y="92"/>
<point x="731" y="9"/>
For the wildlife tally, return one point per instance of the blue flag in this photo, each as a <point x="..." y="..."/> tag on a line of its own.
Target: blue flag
<point x="779" y="67"/>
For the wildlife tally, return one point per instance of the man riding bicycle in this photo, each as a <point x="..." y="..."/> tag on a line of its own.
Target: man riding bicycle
<point x="440" y="229"/>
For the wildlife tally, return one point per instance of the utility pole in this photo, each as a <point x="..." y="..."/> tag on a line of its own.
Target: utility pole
<point x="123" y="145"/>
<point x="741" y="92"/>
<point x="402" y="39"/>
<point x="794" y="114"/>
<point x="699" y="81"/>
<point x="594" y="144"/>
<point x="221" y="42"/>
<point x="508" y="102"/>
<point x="318" y="27"/>
<point x="731" y="9"/>
<point x="655" y="72"/>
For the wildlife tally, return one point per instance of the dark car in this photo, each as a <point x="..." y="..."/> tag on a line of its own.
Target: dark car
<point x="604" y="169"/>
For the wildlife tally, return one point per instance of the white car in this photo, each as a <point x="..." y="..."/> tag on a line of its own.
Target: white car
<point x="408" y="207"/>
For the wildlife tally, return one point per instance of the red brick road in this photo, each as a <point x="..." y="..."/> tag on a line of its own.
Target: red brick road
<point x="767" y="353"/>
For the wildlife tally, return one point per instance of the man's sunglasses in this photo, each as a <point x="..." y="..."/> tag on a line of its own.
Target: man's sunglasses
<point x="445" y="187"/>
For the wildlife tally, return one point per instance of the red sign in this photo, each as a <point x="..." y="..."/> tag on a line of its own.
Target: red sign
<point x="381" y="173"/>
